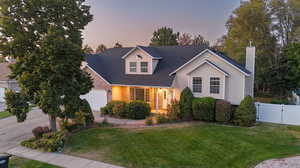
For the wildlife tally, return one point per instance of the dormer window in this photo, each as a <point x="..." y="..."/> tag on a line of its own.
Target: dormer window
<point x="144" y="66"/>
<point x="132" y="66"/>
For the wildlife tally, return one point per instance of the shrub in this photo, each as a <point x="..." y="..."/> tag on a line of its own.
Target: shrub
<point x="173" y="110"/>
<point x="149" y="121"/>
<point x="138" y="110"/>
<point x="245" y="114"/>
<point x="39" y="131"/>
<point x="50" y="142"/>
<point x="204" y="109"/>
<point x="104" y="111"/>
<point x="161" y="118"/>
<point x="87" y="112"/>
<point x="119" y="110"/>
<point x="223" y="111"/>
<point x="186" y="99"/>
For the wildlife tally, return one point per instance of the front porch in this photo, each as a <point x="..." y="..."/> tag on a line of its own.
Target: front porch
<point x="157" y="97"/>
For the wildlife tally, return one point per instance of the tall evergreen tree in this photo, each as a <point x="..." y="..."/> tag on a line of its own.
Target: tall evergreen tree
<point x="44" y="37"/>
<point x="251" y="22"/>
<point x="164" y="37"/>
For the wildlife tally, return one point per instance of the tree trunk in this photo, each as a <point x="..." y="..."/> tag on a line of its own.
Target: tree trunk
<point x="52" y="121"/>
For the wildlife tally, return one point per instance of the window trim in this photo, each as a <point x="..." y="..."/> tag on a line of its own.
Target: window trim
<point x="214" y="86"/>
<point x="198" y="84"/>
<point x="144" y="67"/>
<point x="132" y="67"/>
<point x="147" y="96"/>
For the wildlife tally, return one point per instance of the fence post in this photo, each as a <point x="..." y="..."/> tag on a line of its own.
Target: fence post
<point x="257" y="115"/>
<point x="282" y="106"/>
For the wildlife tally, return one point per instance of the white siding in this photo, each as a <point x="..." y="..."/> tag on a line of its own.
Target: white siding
<point x="96" y="99"/>
<point x="133" y="58"/>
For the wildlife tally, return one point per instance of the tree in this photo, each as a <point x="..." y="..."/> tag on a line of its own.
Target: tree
<point x="118" y="45"/>
<point x="101" y="48"/>
<point x="245" y="114"/>
<point x="251" y="22"/>
<point x="292" y="52"/>
<point x="44" y="37"/>
<point x="199" y="40"/>
<point x="185" y="39"/>
<point x="87" y="49"/>
<point x="185" y="102"/>
<point x="164" y="37"/>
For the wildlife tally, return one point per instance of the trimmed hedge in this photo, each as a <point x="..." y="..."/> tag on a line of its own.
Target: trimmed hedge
<point x="223" y="111"/>
<point x="186" y="100"/>
<point x="245" y="114"/>
<point x="108" y="109"/>
<point x="204" y="109"/>
<point x="138" y="110"/>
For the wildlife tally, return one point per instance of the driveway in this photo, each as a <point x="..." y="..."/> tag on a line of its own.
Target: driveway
<point x="12" y="133"/>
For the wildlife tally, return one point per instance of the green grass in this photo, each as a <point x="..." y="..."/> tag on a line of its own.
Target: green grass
<point x="195" y="146"/>
<point x="16" y="162"/>
<point x="4" y="114"/>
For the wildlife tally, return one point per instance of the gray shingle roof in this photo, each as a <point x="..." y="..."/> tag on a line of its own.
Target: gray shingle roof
<point x="111" y="66"/>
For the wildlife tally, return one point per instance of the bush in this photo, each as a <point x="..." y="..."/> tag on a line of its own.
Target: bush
<point x="173" y="110"/>
<point x="104" y="111"/>
<point x="245" y="114"/>
<point x="138" y="110"/>
<point x="223" y="111"/>
<point x="161" y="119"/>
<point x="119" y="110"/>
<point x="186" y="99"/>
<point x="149" y="121"/>
<point x="39" y="131"/>
<point x="204" y="109"/>
<point x="87" y="112"/>
<point x="50" y="142"/>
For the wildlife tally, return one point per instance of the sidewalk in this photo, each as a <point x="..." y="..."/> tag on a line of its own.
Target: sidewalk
<point x="58" y="159"/>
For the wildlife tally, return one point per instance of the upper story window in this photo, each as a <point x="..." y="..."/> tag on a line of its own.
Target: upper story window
<point x="144" y="66"/>
<point x="132" y="66"/>
<point x="214" y="85"/>
<point x="197" y="84"/>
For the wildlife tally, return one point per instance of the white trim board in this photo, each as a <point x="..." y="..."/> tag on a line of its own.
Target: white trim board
<point x="212" y="65"/>
<point x="97" y="74"/>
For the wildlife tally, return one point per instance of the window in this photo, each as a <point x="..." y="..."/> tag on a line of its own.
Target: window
<point x="140" y="94"/>
<point x="132" y="66"/>
<point x="144" y="66"/>
<point x="214" y="85"/>
<point x="197" y="84"/>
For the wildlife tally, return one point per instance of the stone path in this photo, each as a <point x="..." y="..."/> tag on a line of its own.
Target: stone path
<point x="291" y="162"/>
<point x="58" y="159"/>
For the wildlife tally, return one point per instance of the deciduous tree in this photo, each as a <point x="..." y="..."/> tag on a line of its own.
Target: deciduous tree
<point x="101" y="48"/>
<point x="118" y="45"/>
<point x="185" y="39"/>
<point x="199" y="40"/>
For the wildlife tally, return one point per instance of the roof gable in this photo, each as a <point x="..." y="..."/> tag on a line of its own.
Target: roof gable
<point x="212" y="65"/>
<point x="147" y="50"/>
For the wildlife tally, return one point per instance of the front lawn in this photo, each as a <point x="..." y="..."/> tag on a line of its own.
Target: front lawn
<point x="193" y="146"/>
<point x="16" y="162"/>
<point x="4" y="114"/>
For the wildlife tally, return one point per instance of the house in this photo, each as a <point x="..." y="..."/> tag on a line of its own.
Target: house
<point x="5" y="81"/>
<point x="158" y="74"/>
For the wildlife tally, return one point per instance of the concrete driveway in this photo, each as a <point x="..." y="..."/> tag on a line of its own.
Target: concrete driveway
<point x="12" y="133"/>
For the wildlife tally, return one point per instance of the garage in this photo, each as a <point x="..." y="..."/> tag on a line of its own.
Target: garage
<point x="96" y="98"/>
<point x="2" y="95"/>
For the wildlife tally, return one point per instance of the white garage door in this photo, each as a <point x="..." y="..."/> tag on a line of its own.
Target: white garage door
<point x="96" y="98"/>
<point x="2" y="90"/>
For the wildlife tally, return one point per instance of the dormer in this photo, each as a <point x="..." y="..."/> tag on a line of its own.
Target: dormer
<point x="141" y="61"/>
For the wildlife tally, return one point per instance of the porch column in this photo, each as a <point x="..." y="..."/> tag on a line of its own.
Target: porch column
<point x="156" y="101"/>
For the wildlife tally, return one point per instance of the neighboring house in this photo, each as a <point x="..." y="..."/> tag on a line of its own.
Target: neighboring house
<point x="158" y="74"/>
<point x="5" y="82"/>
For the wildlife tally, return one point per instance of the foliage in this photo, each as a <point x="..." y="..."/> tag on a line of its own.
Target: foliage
<point x="105" y="110"/>
<point x="138" y="110"/>
<point x="292" y="52"/>
<point x="204" y="109"/>
<point x="162" y="118"/>
<point x="48" y="53"/>
<point x="88" y="50"/>
<point x="118" y="45"/>
<point x="185" y="102"/>
<point x="214" y="146"/>
<point x="16" y="105"/>
<point x="245" y="114"/>
<point x="38" y="132"/>
<point x="101" y="48"/>
<point x="85" y="109"/>
<point x="50" y="142"/>
<point x="173" y="110"/>
<point x="164" y="37"/>
<point x="119" y="110"/>
<point x="199" y="40"/>
<point x="149" y="120"/>
<point x="5" y="114"/>
<point x="185" y="39"/>
<point x="223" y="111"/>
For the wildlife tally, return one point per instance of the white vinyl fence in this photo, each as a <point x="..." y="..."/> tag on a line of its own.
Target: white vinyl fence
<point x="281" y="114"/>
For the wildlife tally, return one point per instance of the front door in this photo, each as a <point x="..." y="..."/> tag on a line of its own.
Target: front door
<point x="162" y="99"/>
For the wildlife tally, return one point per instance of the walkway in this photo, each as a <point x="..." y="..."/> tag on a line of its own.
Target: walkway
<point x="291" y="162"/>
<point x="58" y="159"/>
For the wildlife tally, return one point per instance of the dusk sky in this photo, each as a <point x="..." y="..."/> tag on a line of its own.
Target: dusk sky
<point x="132" y="22"/>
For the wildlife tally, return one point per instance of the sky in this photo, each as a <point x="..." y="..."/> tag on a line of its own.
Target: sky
<point x="132" y="22"/>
